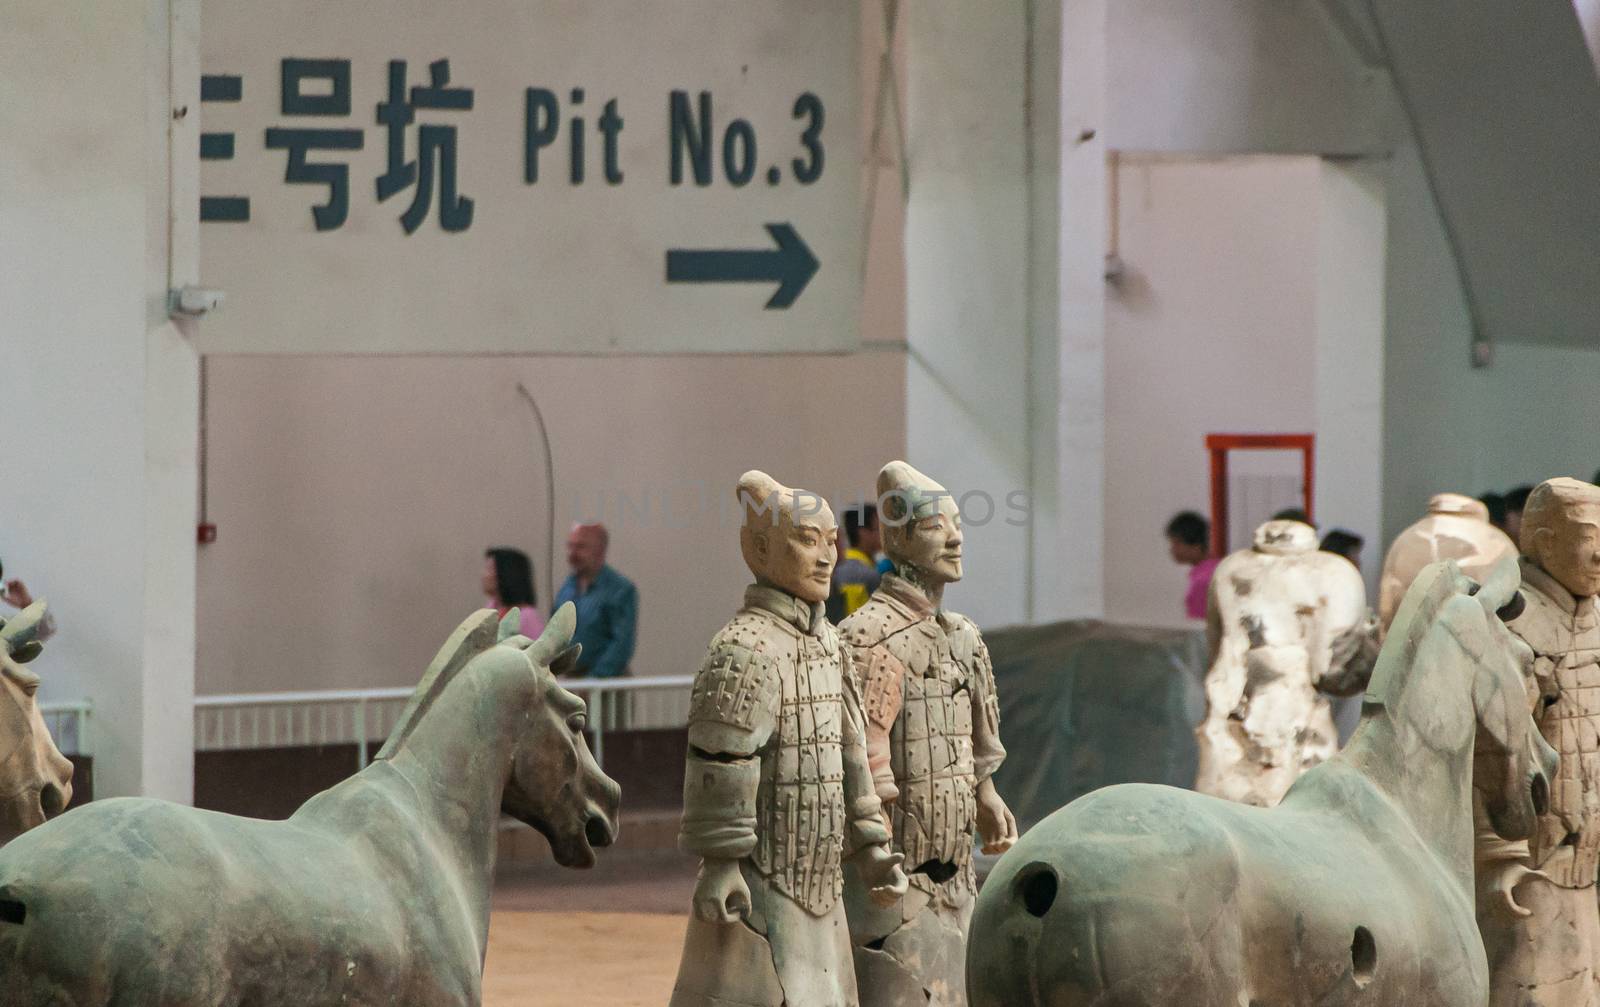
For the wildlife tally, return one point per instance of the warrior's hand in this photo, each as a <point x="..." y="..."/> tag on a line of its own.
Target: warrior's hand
<point x="880" y="869"/>
<point x="1502" y="880"/>
<point x="720" y="894"/>
<point x="996" y="824"/>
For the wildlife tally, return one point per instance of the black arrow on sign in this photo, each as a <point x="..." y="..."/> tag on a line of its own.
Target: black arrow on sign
<point x="791" y="265"/>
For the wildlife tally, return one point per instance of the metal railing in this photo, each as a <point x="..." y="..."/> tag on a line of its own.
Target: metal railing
<point x="364" y="716"/>
<point x="68" y="724"/>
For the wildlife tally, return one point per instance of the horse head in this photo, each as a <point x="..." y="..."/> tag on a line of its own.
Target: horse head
<point x="1451" y="622"/>
<point x="35" y="778"/>
<point x="1513" y="765"/>
<point x="555" y="785"/>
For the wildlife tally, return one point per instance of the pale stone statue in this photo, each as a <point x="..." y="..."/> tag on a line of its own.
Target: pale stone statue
<point x="933" y="742"/>
<point x="375" y="892"/>
<point x="35" y="778"/>
<point x="1355" y="891"/>
<point x="1537" y="904"/>
<point x="776" y="790"/>
<point x="1287" y="627"/>
<point x="1456" y="527"/>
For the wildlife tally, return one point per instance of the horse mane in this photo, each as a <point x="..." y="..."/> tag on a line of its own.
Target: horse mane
<point x="1433" y="588"/>
<point x="476" y="634"/>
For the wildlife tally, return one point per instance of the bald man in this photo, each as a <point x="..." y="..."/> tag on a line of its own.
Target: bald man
<point x="607" y="604"/>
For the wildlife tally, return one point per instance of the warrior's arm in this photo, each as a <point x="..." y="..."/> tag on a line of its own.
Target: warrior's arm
<point x="732" y="713"/>
<point x="862" y="804"/>
<point x="1544" y="675"/>
<point x="987" y="751"/>
<point x="882" y="694"/>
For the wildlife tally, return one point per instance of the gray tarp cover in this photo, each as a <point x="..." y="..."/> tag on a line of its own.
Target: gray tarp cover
<point x="1087" y="704"/>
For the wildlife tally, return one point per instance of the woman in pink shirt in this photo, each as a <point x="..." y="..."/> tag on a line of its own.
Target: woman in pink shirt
<point x="1189" y="538"/>
<point x="508" y="583"/>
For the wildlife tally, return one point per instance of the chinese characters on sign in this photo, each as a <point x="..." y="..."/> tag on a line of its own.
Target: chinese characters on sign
<point x="320" y="89"/>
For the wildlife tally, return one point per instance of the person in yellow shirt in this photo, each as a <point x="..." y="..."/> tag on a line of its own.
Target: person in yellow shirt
<point x="856" y="575"/>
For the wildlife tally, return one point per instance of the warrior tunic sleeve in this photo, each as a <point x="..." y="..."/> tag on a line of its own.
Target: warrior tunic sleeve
<point x="862" y="805"/>
<point x="987" y="751"/>
<point x="883" y="692"/>
<point x="733" y="710"/>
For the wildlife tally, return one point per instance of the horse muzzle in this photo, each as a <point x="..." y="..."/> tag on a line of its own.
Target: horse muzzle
<point x="1007" y="964"/>
<point x="1539" y="792"/>
<point x="599" y="832"/>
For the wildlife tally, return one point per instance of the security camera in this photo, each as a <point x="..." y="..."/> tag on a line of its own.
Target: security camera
<point x="194" y="302"/>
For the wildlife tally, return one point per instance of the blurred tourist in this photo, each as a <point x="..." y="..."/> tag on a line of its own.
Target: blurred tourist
<point x="508" y="583"/>
<point x="1189" y="539"/>
<point x="856" y="574"/>
<point x="1344" y="543"/>
<point x="1495" y="504"/>
<point x="607" y="603"/>
<point x="1516" y="499"/>
<point x="1294" y="514"/>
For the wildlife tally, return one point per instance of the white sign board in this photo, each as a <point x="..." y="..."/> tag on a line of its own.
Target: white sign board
<point x="506" y="176"/>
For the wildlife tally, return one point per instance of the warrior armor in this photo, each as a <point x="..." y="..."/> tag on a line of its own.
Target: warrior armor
<point x="775" y="700"/>
<point x="933" y="727"/>
<point x="1564" y="633"/>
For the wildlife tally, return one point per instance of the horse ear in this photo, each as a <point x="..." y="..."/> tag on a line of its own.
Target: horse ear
<point x="556" y="635"/>
<point x="17" y="635"/>
<point x="567" y="660"/>
<point x="1501" y="702"/>
<point x="27" y="680"/>
<point x="1500" y="586"/>
<point x="510" y="625"/>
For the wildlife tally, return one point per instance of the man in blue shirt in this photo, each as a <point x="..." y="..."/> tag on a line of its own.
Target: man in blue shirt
<point x="607" y="603"/>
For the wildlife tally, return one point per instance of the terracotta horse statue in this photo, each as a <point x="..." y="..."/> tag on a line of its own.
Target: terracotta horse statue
<point x="375" y="892"/>
<point x="1356" y="889"/>
<point x="35" y="778"/>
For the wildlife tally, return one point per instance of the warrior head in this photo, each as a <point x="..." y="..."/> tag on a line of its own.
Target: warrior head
<point x="1561" y="533"/>
<point x="788" y="537"/>
<point x="921" y="525"/>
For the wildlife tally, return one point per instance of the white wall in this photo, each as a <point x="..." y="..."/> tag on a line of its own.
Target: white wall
<point x="1068" y="365"/>
<point x="354" y="497"/>
<point x="99" y="514"/>
<point x="1212" y="329"/>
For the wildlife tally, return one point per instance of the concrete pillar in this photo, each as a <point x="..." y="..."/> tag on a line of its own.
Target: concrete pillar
<point x="1005" y="306"/>
<point x="100" y="391"/>
<point x="1080" y="354"/>
<point x="1348" y="365"/>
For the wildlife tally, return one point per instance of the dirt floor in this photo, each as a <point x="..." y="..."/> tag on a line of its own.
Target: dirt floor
<point x="593" y="959"/>
<point x="609" y="937"/>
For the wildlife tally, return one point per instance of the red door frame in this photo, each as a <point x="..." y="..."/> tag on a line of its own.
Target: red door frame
<point x="1218" y="446"/>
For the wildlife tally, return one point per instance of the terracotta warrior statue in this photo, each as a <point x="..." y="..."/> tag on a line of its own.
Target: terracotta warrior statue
<point x="1287" y="626"/>
<point x="777" y="792"/>
<point x="1456" y="527"/>
<point x="933" y="741"/>
<point x="1536" y="899"/>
